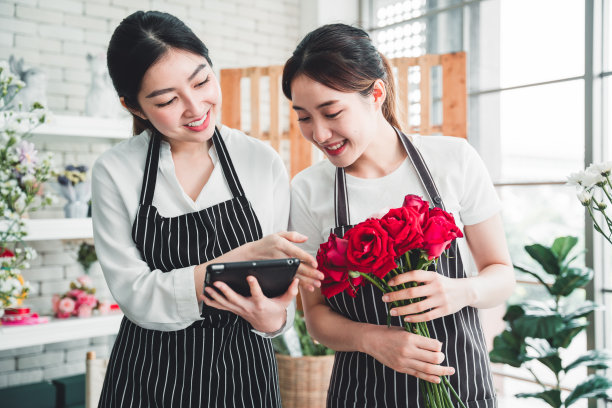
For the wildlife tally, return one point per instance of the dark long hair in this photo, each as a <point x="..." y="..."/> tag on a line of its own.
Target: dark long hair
<point x="139" y="41"/>
<point x="343" y="58"/>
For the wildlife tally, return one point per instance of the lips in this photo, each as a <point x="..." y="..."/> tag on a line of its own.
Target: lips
<point x="335" y="148"/>
<point x="200" y="124"/>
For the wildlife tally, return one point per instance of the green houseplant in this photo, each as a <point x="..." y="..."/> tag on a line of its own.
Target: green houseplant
<point x="538" y="329"/>
<point x="304" y="367"/>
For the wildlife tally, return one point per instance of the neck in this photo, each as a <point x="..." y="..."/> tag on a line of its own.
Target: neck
<point x="382" y="156"/>
<point x="188" y="150"/>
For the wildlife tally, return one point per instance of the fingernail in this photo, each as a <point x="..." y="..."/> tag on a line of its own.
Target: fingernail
<point x="407" y="319"/>
<point x="393" y="312"/>
<point x="318" y="284"/>
<point x="385" y="298"/>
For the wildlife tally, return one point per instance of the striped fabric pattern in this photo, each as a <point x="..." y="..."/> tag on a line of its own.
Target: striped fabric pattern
<point x="217" y="361"/>
<point x="358" y="380"/>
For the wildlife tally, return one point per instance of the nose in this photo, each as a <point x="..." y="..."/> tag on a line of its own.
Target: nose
<point x="321" y="133"/>
<point x="192" y="104"/>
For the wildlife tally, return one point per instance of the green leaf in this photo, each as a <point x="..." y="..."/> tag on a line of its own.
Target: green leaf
<point x="545" y="257"/>
<point x="570" y="279"/>
<point x="595" y="386"/>
<point x="545" y="354"/>
<point x="513" y="312"/>
<point x="543" y="324"/>
<point x="565" y="336"/>
<point x="562" y="247"/>
<point x="552" y="397"/>
<point x="597" y="359"/>
<point x="508" y="349"/>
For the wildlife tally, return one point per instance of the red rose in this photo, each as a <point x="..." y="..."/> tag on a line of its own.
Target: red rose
<point x="439" y="231"/>
<point x="331" y="258"/>
<point x="404" y="227"/>
<point x="6" y="253"/>
<point x="370" y="248"/>
<point x="418" y="204"/>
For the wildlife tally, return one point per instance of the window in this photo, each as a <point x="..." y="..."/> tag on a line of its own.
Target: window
<point x="529" y="110"/>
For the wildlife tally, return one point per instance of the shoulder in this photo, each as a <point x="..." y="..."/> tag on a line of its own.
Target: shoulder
<point x="241" y="146"/>
<point x="448" y="152"/>
<point x="317" y="176"/>
<point x="125" y="157"/>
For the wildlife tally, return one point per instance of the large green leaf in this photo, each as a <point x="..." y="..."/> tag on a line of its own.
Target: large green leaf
<point x="565" y="336"/>
<point x="570" y="279"/>
<point x="562" y="247"/>
<point x="597" y="359"/>
<point x="552" y="397"/>
<point x="595" y="386"/>
<point x="541" y="324"/>
<point x="545" y="257"/>
<point x="541" y="279"/>
<point x="508" y="349"/>
<point x="542" y="351"/>
<point x="513" y="312"/>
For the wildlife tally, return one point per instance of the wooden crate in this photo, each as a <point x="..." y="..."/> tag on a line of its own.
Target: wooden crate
<point x="453" y="100"/>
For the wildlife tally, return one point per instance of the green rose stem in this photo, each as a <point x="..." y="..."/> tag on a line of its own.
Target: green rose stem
<point x="435" y="395"/>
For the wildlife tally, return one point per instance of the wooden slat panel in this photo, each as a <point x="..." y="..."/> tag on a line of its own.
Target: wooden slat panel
<point x="230" y="105"/>
<point x="454" y="95"/>
<point x="425" y="88"/>
<point x="255" y="77"/>
<point x="301" y="156"/>
<point x="275" y="74"/>
<point x="403" y="90"/>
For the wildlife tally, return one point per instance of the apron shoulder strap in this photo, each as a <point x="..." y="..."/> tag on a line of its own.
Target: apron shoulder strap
<point x="229" y="171"/>
<point x="149" y="177"/>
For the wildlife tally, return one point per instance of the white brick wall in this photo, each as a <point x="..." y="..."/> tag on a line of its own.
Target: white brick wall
<point x="57" y="35"/>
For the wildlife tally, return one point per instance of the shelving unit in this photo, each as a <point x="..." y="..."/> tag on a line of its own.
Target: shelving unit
<point x="59" y="228"/>
<point x="57" y="330"/>
<point x="65" y="126"/>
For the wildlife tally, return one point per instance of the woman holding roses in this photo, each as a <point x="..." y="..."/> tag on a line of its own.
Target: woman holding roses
<point x="343" y="92"/>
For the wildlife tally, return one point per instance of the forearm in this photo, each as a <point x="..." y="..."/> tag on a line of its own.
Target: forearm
<point x="335" y="331"/>
<point x="493" y="285"/>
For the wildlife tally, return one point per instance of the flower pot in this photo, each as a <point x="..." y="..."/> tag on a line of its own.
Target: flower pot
<point x="304" y="380"/>
<point x="76" y="209"/>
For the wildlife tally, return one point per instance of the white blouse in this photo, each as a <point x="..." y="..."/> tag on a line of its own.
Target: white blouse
<point x="167" y="301"/>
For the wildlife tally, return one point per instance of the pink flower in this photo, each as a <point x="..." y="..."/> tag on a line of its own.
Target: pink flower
<point x="63" y="315"/>
<point x="75" y="293"/>
<point x="87" y="299"/>
<point x="84" y="311"/>
<point x="66" y="305"/>
<point x="104" y="308"/>
<point x="85" y="280"/>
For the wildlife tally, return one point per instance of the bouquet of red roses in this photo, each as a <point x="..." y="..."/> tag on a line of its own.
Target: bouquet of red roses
<point x="407" y="238"/>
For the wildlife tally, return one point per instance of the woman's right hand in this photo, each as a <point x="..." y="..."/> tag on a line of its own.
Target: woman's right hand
<point x="281" y="245"/>
<point x="406" y="352"/>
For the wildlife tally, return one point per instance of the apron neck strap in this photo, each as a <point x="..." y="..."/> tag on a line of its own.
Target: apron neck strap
<point x="149" y="178"/>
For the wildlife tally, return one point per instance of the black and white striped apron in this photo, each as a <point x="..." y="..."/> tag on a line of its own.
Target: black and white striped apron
<point x="217" y="361"/>
<point x="358" y="380"/>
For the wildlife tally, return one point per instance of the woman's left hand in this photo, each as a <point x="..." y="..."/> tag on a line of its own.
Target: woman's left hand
<point x="441" y="295"/>
<point x="265" y="314"/>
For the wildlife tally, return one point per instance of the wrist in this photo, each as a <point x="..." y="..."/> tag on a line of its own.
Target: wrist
<point x="271" y="326"/>
<point x="469" y="289"/>
<point x="364" y="342"/>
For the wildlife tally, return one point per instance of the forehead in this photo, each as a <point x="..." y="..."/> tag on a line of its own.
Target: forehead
<point x="308" y="93"/>
<point x="175" y="66"/>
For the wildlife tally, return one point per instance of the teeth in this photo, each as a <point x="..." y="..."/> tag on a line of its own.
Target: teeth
<point x="197" y="122"/>
<point x="336" y="146"/>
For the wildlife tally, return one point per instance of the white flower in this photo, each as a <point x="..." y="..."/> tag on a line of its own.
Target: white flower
<point x="591" y="179"/>
<point x="585" y="197"/>
<point x="601" y="168"/>
<point x="575" y="179"/>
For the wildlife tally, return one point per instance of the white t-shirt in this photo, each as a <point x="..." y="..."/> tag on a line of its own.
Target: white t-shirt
<point x="167" y="301"/>
<point x="457" y="170"/>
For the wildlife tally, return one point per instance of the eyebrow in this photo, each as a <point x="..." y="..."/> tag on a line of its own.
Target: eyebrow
<point x="165" y="90"/>
<point x="324" y="104"/>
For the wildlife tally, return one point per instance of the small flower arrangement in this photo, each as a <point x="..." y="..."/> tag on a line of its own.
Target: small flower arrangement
<point x="374" y="251"/>
<point x="86" y="256"/>
<point x="22" y="174"/>
<point x="75" y="188"/>
<point x="595" y="193"/>
<point x="79" y="301"/>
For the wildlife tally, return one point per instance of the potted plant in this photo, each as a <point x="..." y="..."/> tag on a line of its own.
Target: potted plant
<point x="538" y="329"/>
<point x="304" y="367"/>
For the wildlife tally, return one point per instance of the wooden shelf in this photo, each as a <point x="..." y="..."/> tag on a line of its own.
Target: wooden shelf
<point x="57" y="330"/>
<point x="63" y="126"/>
<point x="58" y="228"/>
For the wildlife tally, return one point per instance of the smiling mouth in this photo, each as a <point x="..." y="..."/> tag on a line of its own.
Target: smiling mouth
<point x="335" y="146"/>
<point x="198" y="122"/>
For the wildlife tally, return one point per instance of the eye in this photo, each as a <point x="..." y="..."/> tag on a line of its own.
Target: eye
<point x="304" y="119"/>
<point x="333" y="115"/>
<point x="203" y="82"/>
<point x="161" y="105"/>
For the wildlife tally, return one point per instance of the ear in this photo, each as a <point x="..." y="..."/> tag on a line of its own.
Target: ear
<point x="379" y="93"/>
<point x="134" y="112"/>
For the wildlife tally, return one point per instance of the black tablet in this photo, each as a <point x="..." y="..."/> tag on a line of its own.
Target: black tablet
<point x="274" y="275"/>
